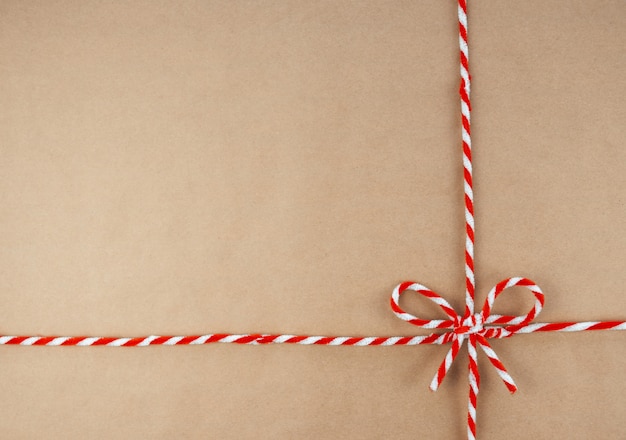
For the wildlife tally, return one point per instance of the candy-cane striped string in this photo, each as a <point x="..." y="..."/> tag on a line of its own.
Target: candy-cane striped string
<point x="476" y="328"/>
<point x="466" y="108"/>
<point x="456" y="324"/>
<point x="470" y="283"/>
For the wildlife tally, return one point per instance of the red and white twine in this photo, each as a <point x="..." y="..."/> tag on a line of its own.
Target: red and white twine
<point x="474" y="327"/>
<point x="466" y="110"/>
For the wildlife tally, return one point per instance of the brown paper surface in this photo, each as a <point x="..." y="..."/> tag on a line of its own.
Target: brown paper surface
<point x="279" y="166"/>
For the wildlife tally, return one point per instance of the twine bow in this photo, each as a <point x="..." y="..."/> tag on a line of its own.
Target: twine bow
<point x="477" y="328"/>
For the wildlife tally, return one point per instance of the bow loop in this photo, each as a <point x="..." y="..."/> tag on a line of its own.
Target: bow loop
<point x="510" y="321"/>
<point x="427" y="293"/>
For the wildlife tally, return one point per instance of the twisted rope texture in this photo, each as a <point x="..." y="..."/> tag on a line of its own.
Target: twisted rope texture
<point x="476" y="328"/>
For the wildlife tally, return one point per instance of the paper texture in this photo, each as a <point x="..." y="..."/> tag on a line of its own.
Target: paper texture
<point x="279" y="166"/>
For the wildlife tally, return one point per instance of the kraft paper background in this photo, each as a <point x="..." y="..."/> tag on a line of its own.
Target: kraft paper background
<point x="279" y="166"/>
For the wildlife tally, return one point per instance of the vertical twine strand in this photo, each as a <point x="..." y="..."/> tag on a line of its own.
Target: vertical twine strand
<point x="470" y="283"/>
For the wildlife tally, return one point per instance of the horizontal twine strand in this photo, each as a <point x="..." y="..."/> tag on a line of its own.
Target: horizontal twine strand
<point x="264" y="339"/>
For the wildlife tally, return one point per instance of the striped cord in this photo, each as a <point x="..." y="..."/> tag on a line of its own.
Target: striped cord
<point x="475" y="328"/>
<point x="262" y="339"/>
<point x="466" y="108"/>
<point x="470" y="282"/>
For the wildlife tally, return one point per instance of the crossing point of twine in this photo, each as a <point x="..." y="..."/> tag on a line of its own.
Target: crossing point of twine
<point x="474" y="327"/>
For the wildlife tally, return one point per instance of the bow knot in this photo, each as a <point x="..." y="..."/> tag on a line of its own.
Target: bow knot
<point x="477" y="328"/>
<point x="470" y="325"/>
